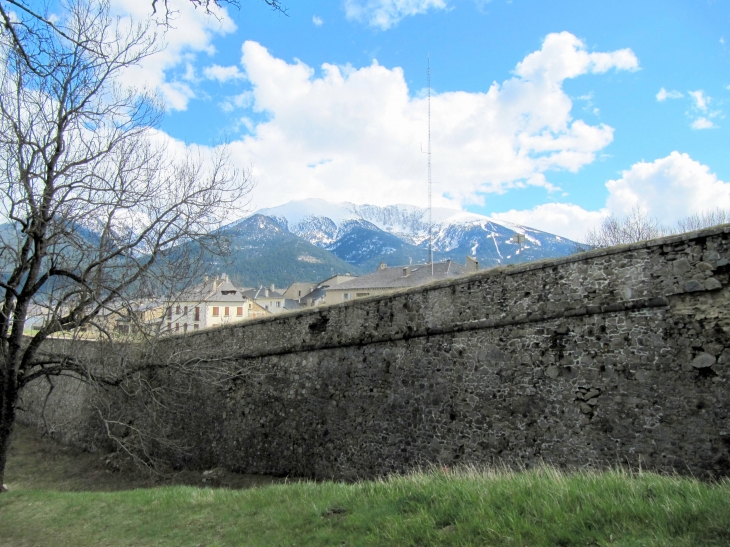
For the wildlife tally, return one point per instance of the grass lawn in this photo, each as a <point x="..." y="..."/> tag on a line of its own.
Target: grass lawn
<point x="60" y="497"/>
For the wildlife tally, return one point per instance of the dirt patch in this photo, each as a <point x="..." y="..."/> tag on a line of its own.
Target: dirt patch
<point x="38" y="462"/>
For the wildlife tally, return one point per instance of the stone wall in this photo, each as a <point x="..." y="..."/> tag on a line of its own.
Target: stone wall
<point x="616" y="356"/>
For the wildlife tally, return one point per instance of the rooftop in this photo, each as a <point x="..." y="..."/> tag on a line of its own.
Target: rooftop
<point x="403" y="276"/>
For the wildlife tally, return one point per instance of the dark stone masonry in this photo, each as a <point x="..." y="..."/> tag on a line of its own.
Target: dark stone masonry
<point x="613" y="357"/>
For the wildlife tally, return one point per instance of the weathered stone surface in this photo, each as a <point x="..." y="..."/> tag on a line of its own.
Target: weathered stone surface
<point x="704" y="360"/>
<point x="594" y="359"/>
<point x="693" y="286"/>
<point x="681" y="266"/>
<point x="712" y="284"/>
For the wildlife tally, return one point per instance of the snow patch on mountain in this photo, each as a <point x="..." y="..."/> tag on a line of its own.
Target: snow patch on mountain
<point x="454" y="232"/>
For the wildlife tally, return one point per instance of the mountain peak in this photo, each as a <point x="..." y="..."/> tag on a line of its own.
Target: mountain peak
<point x="402" y="230"/>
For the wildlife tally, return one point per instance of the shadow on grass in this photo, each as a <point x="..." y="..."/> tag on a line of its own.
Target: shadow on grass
<point x="37" y="462"/>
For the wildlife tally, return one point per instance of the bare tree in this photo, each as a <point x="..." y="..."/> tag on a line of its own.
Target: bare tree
<point x="704" y="219"/>
<point x="168" y="11"/>
<point x="91" y="205"/>
<point x="208" y="5"/>
<point x="636" y="226"/>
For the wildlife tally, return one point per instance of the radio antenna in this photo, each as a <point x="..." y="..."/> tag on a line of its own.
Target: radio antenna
<point x="430" y="212"/>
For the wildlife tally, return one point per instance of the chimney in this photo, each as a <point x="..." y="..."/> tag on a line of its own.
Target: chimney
<point x="266" y="293"/>
<point x="272" y="288"/>
<point x="382" y="266"/>
<point x="406" y="271"/>
<point x="472" y="265"/>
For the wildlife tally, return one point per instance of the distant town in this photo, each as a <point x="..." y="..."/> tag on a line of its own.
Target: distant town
<point x="216" y="301"/>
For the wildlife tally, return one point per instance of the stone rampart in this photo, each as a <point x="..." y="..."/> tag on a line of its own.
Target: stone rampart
<point x="615" y="356"/>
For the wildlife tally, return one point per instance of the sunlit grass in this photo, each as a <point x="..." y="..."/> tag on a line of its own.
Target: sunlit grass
<point x="461" y="507"/>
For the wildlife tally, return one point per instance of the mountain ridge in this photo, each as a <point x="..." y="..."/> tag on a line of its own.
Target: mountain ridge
<point x="455" y="233"/>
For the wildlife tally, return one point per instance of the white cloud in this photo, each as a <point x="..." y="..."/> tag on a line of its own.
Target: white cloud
<point x="563" y="56"/>
<point x="371" y="129"/>
<point x="565" y="219"/>
<point x="701" y="101"/>
<point x="192" y="33"/>
<point x="222" y="73"/>
<point x="242" y="100"/>
<point x="663" y="95"/>
<point x="701" y="109"/>
<point x="668" y="189"/>
<point x="703" y="123"/>
<point x="384" y="14"/>
<point x="318" y="22"/>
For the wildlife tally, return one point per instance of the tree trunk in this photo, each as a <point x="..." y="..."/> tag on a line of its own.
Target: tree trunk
<point x="8" y="402"/>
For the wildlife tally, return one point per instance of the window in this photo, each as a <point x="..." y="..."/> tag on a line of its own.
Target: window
<point x="228" y="311"/>
<point x="186" y="311"/>
<point x="278" y="304"/>
<point x="177" y="327"/>
<point x="177" y="309"/>
<point x="197" y="313"/>
<point x="361" y="294"/>
<point x="185" y="327"/>
<point x="169" y="312"/>
<point x="300" y="293"/>
<point x="169" y="327"/>
<point x="196" y="327"/>
<point x="239" y="311"/>
<point x="250" y="306"/>
<point x="216" y="311"/>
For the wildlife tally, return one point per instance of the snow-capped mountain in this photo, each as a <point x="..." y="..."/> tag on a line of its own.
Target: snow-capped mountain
<point x="365" y="234"/>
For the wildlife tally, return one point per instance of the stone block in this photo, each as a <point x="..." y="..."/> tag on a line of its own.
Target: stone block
<point x="704" y="360"/>
<point x="712" y="284"/>
<point x="693" y="285"/>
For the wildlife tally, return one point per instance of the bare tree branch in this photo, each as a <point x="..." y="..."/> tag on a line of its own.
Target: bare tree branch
<point x="96" y="216"/>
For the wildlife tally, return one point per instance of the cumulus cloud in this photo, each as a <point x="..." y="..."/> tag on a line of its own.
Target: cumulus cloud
<point x="384" y="14"/>
<point x="563" y="56"/>
<point x="565" y="219"/>
<point x="191" y="34"/>
<point x="663" y="95"/>
<point x="222" y="73"/>
<point x="668" y="189"/>
<point x="318" y="22"/>
<point x="357" y="134"/>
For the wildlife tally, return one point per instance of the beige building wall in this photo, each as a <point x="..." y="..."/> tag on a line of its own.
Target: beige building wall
<point x="296" y="290"/>
<point x="337" y="296"/>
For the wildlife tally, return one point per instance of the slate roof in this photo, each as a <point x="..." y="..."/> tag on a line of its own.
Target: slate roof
<point x="315" y="295"/>
<point x="255" y="294"/>
<point x="394" y="278"/>
<point x="207" y="291"/>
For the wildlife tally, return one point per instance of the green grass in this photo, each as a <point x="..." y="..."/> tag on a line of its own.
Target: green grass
<point x="464" y="507"/>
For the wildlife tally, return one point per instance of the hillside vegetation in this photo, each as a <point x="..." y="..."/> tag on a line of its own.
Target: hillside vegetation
<point x="541" y="507"/>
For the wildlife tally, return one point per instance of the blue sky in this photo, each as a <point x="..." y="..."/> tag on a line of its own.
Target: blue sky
<point x="549" y="114"/>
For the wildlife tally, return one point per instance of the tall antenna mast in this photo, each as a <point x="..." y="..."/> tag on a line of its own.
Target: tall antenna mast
<point x="430" y="214"/>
